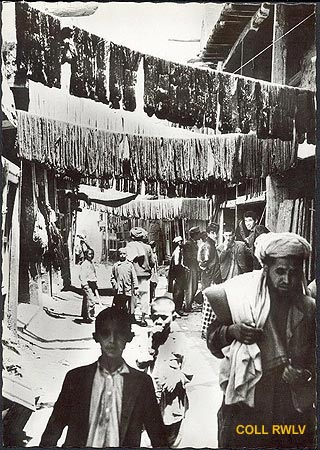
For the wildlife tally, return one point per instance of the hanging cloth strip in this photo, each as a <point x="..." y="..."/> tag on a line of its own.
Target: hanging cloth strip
<point x="38" y="55"/>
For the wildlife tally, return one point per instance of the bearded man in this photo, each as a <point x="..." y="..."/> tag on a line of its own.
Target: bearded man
<point x="265" y="329"/>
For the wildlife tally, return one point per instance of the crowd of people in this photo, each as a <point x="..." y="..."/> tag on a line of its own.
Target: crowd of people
<point x="200" y="263"/>
<point x="257" y="316"/>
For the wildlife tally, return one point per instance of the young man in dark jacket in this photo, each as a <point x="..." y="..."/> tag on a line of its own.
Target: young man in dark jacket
<point x="107" y="403"/>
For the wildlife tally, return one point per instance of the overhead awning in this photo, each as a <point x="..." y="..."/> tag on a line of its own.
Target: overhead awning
<point x="106" y="197"/>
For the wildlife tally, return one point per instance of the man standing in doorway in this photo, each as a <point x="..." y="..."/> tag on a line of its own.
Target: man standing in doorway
<point x="210" y="272"/>
<point x="192" y="267"/>
<point x="235" y="257"/>
<point x="248" y="231"/>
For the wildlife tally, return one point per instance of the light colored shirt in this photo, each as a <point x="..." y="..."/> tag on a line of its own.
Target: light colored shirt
<point x="87" y="272"/>
<point x="177" y="256"/>
<point x="105" y="407"/>
<point x="171" y="361"/>
<point x="124" y="277"/>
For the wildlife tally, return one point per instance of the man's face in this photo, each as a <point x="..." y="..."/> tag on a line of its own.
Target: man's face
<point x="228" y="237"/>
<point x="161" y="319"/>
<point x="90" y="256"/>
<point x="285" y="274"/>
<point x="249" y="222"/>
<point x="112" y="339"/>
<point x="122" y="255"/>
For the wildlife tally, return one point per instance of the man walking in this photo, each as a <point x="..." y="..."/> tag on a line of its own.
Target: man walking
<point x="265" y="325"/>
<point x="190" y="250"/>
<point x="141" y="255"/>
<point x="177" y="276"/>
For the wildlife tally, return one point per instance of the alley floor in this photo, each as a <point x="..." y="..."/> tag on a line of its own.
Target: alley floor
<point x="52" y="341"/>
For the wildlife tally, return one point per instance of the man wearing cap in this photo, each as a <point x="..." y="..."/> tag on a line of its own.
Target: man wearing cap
<point x="265" y="331"/>
<point x="140" y="254"/>
<point x="190" y="252"/>
<point x="177" y="275"/>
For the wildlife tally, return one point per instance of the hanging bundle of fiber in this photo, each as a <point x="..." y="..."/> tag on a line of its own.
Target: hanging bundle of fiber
<point x="211" y="99"/>
<point x="305" y="118"/>
<point x="38" y="46"/>
<point x="135" y="153"/>
<point x="246" y="93"/>
<point x="179" y="93"/>
<point x="172" y="162"/>
<point x="124" y="64"/>
<point x="89" y="66"/>
<point x="226" y="88"/>
<point x="150" y="82"/>
<point x="225" y="150"/>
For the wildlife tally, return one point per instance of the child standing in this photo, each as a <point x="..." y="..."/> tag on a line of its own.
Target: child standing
<point x="125" y="282"/>
<point x="107" y="403"/>
<point x="88" y="278"/>
<point x="169" y="368"/>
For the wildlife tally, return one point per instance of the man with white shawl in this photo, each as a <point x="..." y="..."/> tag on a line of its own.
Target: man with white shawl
<point x="265" y="331"/>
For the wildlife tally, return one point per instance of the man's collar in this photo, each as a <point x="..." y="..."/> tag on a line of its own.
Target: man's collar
<point x="122" y="369"/>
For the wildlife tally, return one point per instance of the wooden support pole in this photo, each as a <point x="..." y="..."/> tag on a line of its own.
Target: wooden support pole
<point x="275" y="190"/>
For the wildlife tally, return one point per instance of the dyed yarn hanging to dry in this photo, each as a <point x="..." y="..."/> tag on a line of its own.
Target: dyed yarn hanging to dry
<point x="247" y="105"/>
<point x="306" y="117"/>
<point x="89" y="66"/>
<point x="226" y="124"/>
<point x="179" y="93"/>
<point x="101" y="154"/>
<point x="38" y="46"/>
<point x="124" y="64"/>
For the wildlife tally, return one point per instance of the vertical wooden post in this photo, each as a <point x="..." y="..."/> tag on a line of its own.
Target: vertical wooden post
<point x="275" y="191"/>
<point x="47" y="202"/>
<point x="11" y="251"/>
<point x="35" y="294"/>
<point x="13" y="294"/>
<point x="220" y="237"/>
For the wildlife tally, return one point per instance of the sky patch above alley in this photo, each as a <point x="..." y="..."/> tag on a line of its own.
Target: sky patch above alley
<point x="170" y="31"/>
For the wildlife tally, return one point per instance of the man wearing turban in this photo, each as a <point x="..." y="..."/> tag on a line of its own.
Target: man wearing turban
<point x="265" y="332"/>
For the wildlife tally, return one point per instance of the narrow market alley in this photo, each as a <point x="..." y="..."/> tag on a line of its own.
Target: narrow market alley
<point x="52" y="341"/>
<point x="158" y="151"/>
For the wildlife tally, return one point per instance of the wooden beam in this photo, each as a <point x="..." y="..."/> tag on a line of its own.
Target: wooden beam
<point x="262" y="13"/>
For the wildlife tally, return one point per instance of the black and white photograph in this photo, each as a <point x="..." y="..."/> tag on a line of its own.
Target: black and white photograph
<point x="158" y="224"/>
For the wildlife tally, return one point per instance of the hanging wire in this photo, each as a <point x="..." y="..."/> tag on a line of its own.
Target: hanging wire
<point x="273" y="42"/>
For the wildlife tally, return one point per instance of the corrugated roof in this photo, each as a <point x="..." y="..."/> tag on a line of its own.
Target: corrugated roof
<point x="232" y="21"/>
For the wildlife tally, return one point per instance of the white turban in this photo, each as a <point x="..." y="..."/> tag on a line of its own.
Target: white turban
<point x="281" y="245"/>
<point x="138" y="233"/>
